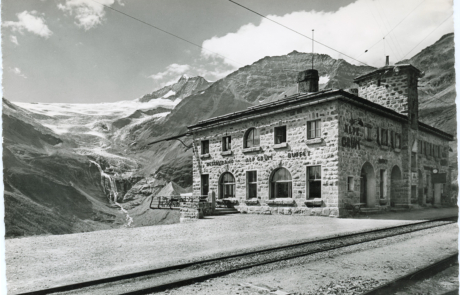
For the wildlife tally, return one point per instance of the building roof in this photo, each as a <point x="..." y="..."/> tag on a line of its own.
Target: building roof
<point x="387" y="68"/>
<point x="304" y="99"/>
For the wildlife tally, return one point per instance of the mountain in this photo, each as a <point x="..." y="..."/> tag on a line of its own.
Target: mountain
<point x="184" y="87"/>
<point x="99" y="157"/>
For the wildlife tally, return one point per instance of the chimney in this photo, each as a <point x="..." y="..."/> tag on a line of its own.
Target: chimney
<point x="387" y="62"/>
<point x="307" y="81"/>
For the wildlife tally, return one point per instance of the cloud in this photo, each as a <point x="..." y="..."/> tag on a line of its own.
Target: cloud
<point x="31" y="22"/>
<point x="88" y="13"/>
<point x="17" y="72"/>
<point x="14" y="39"/>
<point x="170" y="75"/>
<point x="351" y="30"/>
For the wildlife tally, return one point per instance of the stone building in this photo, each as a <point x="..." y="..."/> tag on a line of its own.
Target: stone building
<point x="320" y="152"/>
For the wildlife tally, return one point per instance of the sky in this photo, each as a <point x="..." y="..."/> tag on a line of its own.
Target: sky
<point x="80" y="51"/>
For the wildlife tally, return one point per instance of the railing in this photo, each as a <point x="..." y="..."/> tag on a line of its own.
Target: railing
<point x="173" y="202"/>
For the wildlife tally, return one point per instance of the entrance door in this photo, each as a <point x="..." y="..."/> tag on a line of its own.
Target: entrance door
<point x="282" y="190"/>
<point x="227" y="186"/>
<point x="204" y="184"/>
<point x="363" y="189"/>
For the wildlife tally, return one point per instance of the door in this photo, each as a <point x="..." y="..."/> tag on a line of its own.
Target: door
<point x="363" y="189"/>
<point x="204" y="184"/>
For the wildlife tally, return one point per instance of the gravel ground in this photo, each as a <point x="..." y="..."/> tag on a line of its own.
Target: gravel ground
<point x="46" y="261"/>
<point x="350" y="270"/>
<point x="441" y="283"/>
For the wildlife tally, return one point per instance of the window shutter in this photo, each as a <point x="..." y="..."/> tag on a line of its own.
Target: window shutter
<point x="378" y="135"/>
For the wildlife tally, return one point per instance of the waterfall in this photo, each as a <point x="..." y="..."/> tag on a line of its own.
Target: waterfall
<point x="113" y="186"/>
<point x="113" y="192"/>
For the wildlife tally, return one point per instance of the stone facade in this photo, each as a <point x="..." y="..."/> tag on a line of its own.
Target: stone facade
<point x="368" y="151"/>
<point x="295" y="156"/>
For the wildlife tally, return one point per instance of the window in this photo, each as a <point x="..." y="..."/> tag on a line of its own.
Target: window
<point x="392" y="139"/>
<point x="384" y="137"/>
<point x="422" y="147"/>
<point x="379" y="82"/>
<point x="227" y="186"/>
<point x="351" y="184"/>
<point x="314" y="182"/>
<point x="251" y="184"/>
<point x="280" y="134"/>
<point x="226" y="143"/>
<point x="313" y="129"/>
<point x="397" y="140"/>
<point x="413" y="160"/>
<point x="281" y="184"/>
<point x="205" y="147"/>
<point x="252" y="138"/>
<point x="383" y="183"/>
<point x="204" y="184"/>
<point x="367" y="133"/>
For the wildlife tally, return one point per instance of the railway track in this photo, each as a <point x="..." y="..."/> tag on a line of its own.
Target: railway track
<point x="161" y="279"/>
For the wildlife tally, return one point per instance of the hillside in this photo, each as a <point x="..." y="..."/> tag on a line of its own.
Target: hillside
<point x="47" y="190"/>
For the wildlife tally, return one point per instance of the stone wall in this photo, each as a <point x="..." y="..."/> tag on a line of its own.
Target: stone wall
<point x="296" y="156"/>
<point x="377" y="155"/>
<point x="424" y="172"/>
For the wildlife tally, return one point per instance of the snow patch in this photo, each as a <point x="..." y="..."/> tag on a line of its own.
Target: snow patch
<point x="170" y="93"/>
<point x="323" y="79"/>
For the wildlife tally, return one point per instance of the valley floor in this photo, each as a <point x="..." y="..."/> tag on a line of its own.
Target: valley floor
<point x="46" y="261"/>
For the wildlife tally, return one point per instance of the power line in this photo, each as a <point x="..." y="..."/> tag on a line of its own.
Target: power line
<point x="396" y="26"/>
<point x="428" y="35"/>
<point x="166" y="32"/>
<point x="297" y="32"/>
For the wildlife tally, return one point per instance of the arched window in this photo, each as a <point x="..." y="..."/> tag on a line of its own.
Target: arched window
<point x="281" y="184"/>
<point x="227" y="186"/>
<point x="252" y="138"/>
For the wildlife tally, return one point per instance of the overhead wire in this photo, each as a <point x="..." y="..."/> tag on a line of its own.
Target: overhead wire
<point x="391" y="44"/>
<point x="166" y="32"/>
<point x="407" y="15"/>
<point x="297" y="32"/>
<point x="393" y="37"/>
<point x="428" y="35"/>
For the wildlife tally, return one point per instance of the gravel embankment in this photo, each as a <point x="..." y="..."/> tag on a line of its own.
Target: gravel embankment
<point x="46" y="261"/>
<point x="349" y="270"/>
<point x="246" y="260"/>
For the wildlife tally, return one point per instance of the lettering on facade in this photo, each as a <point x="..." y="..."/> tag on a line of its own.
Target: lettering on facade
<point x="298" y="154"/>
<point x="354" y="140"/>
<point x="259" y="158"/>
<point x="219" y="163"/>
<point x="351" y="142"/>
